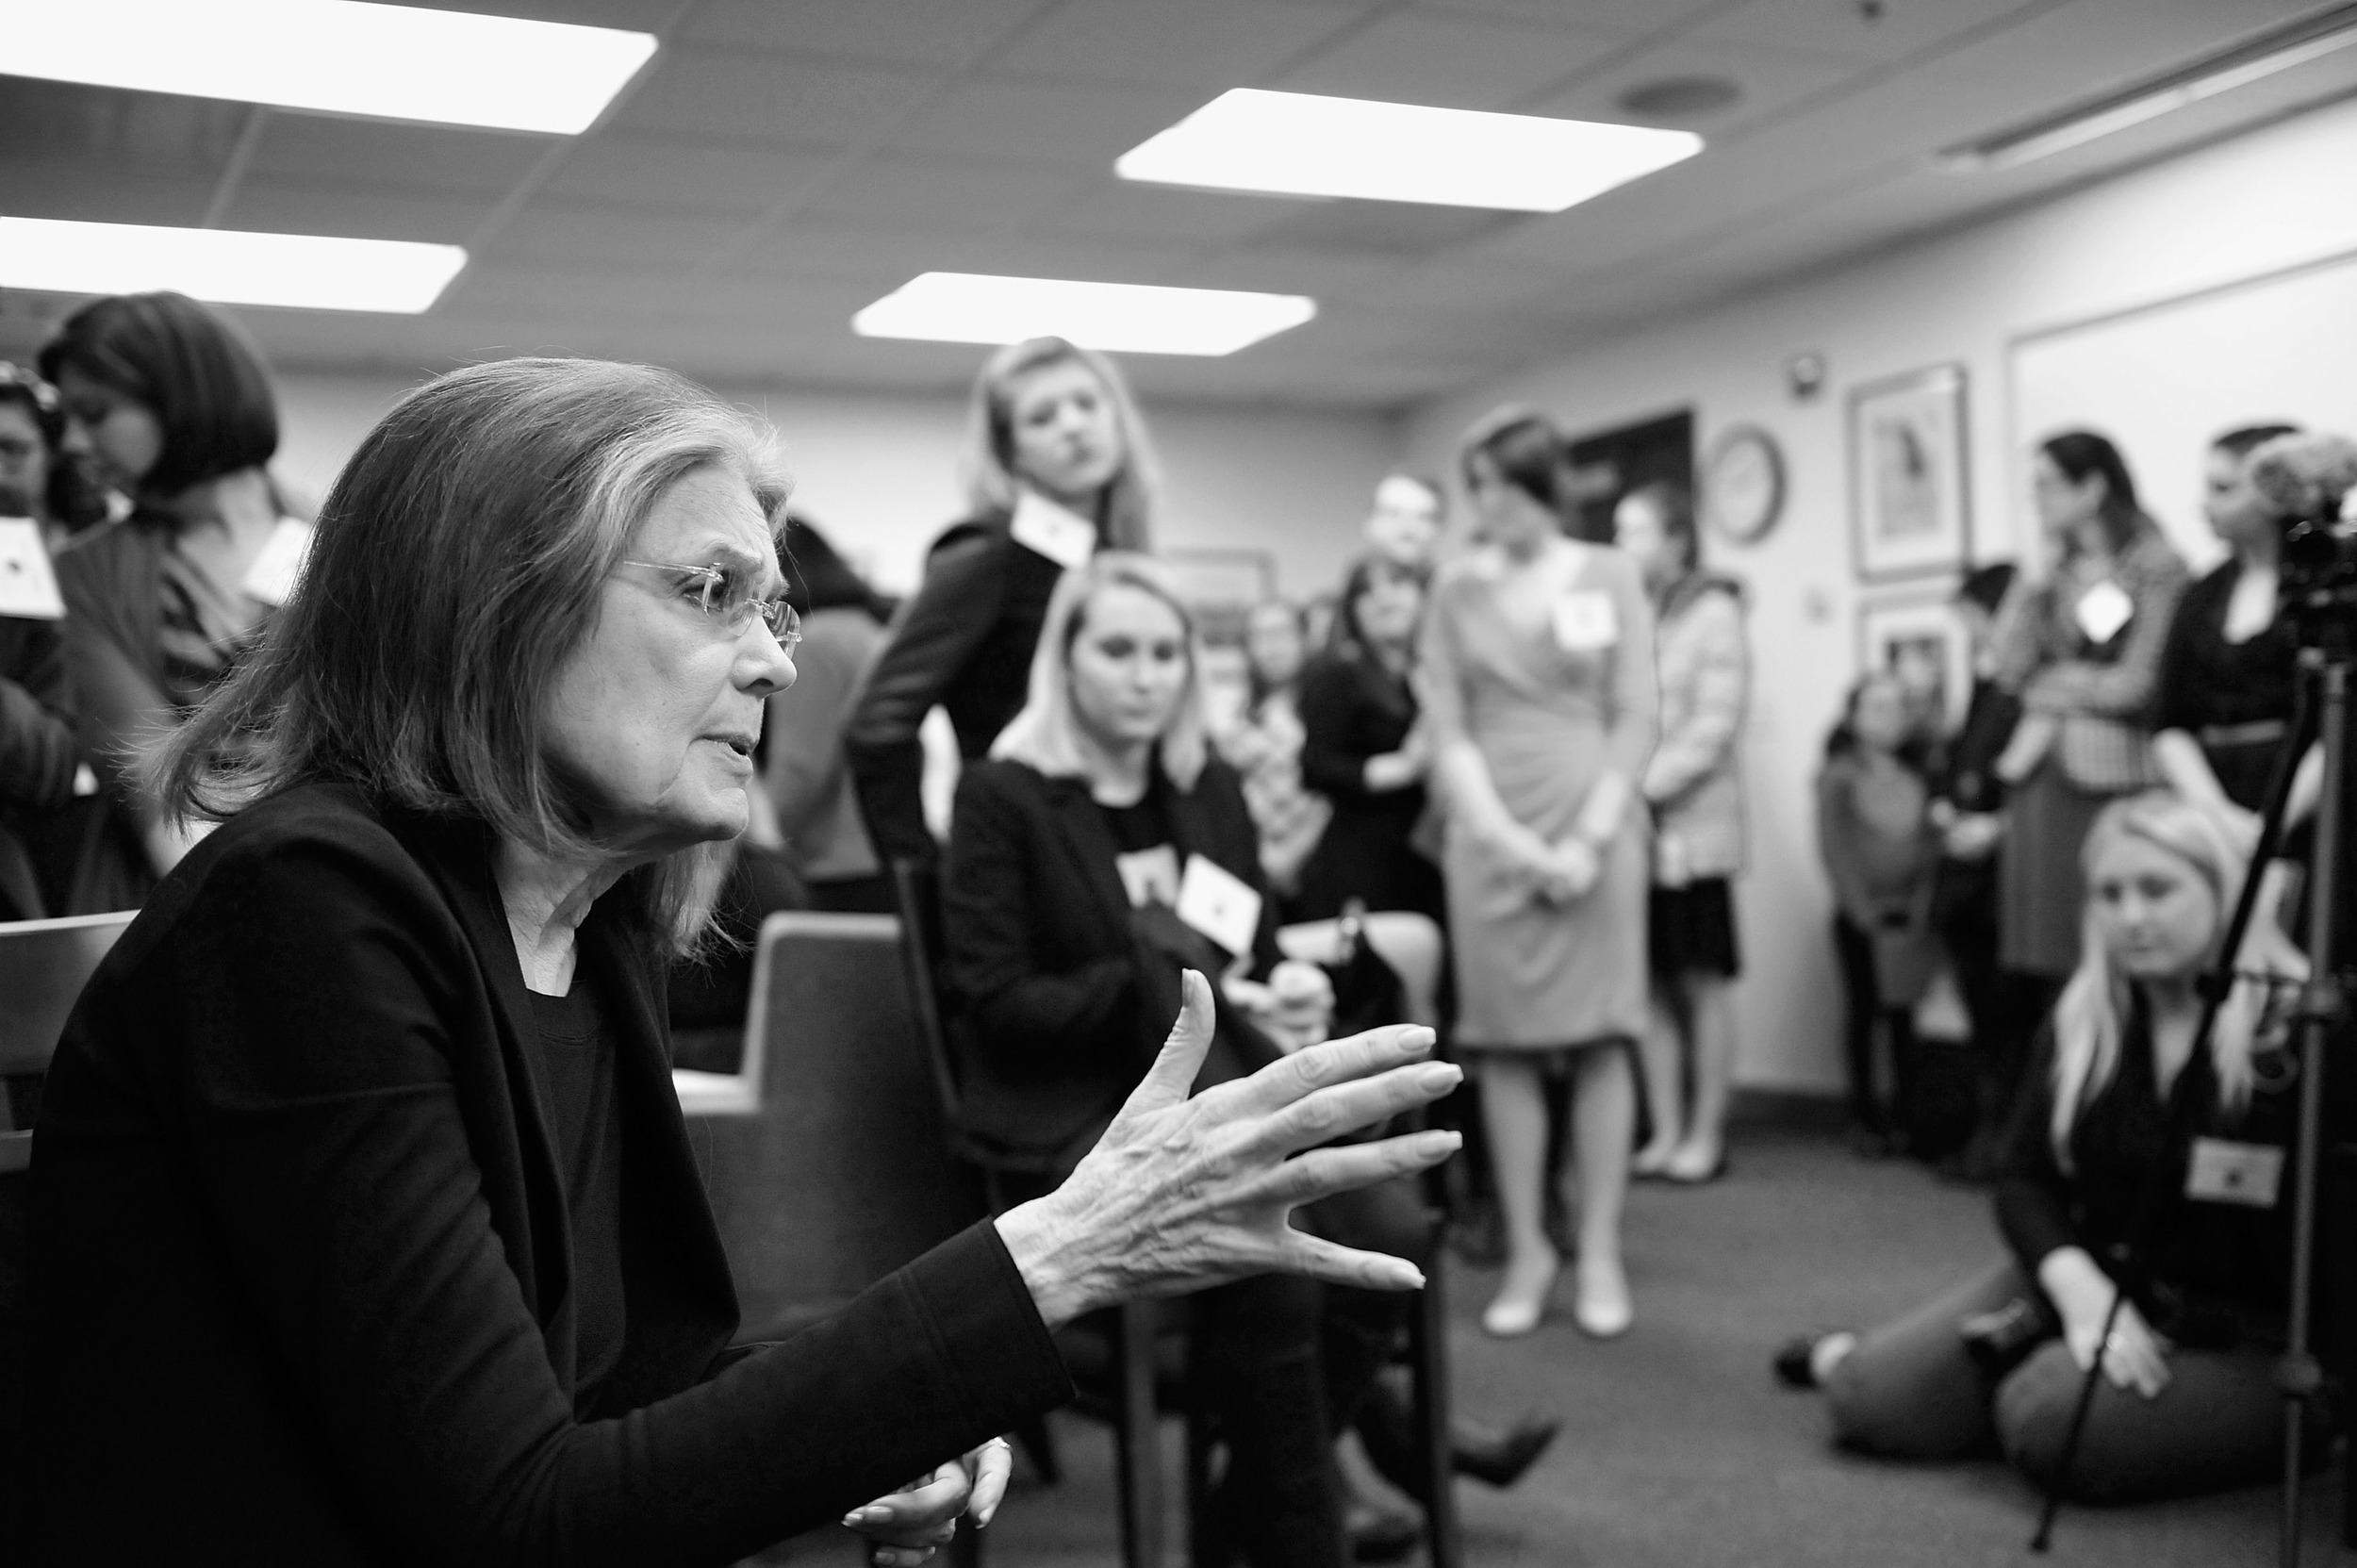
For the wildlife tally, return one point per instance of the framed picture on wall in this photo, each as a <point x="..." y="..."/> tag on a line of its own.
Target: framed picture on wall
<point x="1918" y="636"/>
<point x="1908" y="512"/>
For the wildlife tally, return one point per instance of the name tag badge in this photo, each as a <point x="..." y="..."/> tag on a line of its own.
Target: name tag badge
<point x="2222" y="1171"/>
<point x="1584" y="621"/>
<point x="1220" y="904"/>
<point x="2103" y="609"/>
<point x="1065" y="537"/>
<point x="272" y="576"/>
<point x="1149" y="876"/>
<point x="29" y="589"/>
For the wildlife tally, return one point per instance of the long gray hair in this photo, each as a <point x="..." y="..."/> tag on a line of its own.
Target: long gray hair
<point x="458" y="561"/>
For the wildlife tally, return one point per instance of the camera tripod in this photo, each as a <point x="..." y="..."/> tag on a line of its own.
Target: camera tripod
<point x="2324" y="618"/>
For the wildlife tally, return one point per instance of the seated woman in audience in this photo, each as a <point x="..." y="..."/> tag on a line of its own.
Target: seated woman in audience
<point x="365" y="1219"/>
<point x="1056" y="467"/>
<point x="39" y="755"/>
<point x="2228" y="675"/>
<point x="172" y="409"/>
<point x="1539" y="685"/>
<point x="1874" y="835"/>
<point x="1693" y="786"/>
<point x="2187" y="1400"/>
<point x="1096" y="856"/>
<point x="2081" y="646"/>
<point x="1364" y="750"/>
<point x="1262" y="744"/>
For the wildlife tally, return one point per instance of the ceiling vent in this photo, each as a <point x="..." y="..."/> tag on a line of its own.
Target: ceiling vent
<point x="1677" y="98"/>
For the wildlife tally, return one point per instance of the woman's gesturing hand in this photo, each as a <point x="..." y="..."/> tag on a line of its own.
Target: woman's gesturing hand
<point x="1183" y="1193"/>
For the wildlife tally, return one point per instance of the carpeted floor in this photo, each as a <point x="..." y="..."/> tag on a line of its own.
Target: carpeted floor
<point x="1679" y="1450"/>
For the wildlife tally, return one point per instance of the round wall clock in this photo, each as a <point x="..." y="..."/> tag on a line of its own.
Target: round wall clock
<point x="1743" y="484"/>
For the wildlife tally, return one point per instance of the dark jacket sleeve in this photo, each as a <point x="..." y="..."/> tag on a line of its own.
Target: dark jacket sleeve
<point x="1046" y="1017"/>
<point x="1334" y="752"/>
<point x="38" y="751"/>
<point x="326" y="1136"/>
<point x="932" y="638"/>
<point x="2033" y="1195"/>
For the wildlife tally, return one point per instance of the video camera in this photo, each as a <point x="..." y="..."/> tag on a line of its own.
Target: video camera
<point x="2311" y="480"/>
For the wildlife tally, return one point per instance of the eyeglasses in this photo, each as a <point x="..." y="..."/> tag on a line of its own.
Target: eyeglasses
<point x="729" y="597"/>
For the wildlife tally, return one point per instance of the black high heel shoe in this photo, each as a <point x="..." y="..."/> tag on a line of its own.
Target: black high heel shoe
<point x="1494" y="1456"/>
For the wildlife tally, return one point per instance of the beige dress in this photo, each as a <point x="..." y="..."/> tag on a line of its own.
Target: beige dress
<point x="1554" y="692"/>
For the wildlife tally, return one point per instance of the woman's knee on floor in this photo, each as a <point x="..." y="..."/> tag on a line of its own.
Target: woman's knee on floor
<point x="2216" y="1423"/>
<point x="1908" y="1401"/>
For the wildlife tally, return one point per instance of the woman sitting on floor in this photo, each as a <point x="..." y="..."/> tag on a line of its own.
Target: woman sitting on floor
<point x="1100" y="852"/>
<point x="2186" y="1402"/>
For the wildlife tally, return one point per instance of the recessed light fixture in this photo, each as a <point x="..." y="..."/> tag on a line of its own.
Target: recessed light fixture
<point x="1301" y="145"/>
<point x="977" y="308"/>
<point x="2277" y="49"/>
<point x="341" y="56"/>
<point x="228" y="267"/>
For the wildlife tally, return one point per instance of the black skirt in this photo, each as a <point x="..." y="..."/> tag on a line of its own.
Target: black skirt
<point x="1691" y="931"/>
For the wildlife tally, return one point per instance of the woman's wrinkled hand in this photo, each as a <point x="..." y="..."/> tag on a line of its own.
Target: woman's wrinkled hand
<point x="1182" y="1193"/>
<point x="907" y="1526"/>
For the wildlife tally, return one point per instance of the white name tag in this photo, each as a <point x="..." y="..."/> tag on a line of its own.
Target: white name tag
<point x="2222" y="1171"/>
<point x="1220" y="904"/>
<point x="1149" y="876"/>
<point x="2103" y="609"/>
<point x="29" y="589"/>
<point x="272" y="575"/>
<point x="1065" y="537"/>
<point x="1584" y="621"/>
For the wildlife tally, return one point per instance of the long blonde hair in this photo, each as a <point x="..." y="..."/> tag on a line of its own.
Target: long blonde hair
<point x="2090" y="1020"/>
<point x="987" y="463"/>
<point x="1046" y="734"/>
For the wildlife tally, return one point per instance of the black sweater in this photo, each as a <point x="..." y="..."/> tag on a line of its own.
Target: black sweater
<point x="304" y="1285"/>
<point x="963" y="643"/>
<point x="2208" y="1271"/>
<point x="1061" y="1004"/>
<point x="1353" y="709"/>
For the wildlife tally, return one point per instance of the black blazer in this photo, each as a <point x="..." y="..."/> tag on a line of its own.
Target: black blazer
<point x="302" y="1261"/>
<point x="1057" y="1006"/>
<point x="963" y="642"/>
<point x="1353" y="709"/>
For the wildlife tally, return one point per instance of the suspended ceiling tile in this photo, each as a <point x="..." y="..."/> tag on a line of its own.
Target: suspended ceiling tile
<point x="1323" y="275"/>
<point x="1629" y="16"/>
<point x="1767" y="80"/>
<point x="392" y="153"/>
<point x="641" y="16"/>
<point x="159" y="131"/>
<point x="599" y="238"/>
<point x="1208" y="44"/>
<point x="706" y="93"/>
<point x="885" y="259"/>
<point x="690" y="173"/>
<point x="1843" y="27"/>
<point x="98" y="193"/>
<point x="1115" y="208"/>
<point x="912" y="191"/>
<point x="918" y="32"/>
<point x="1451" y="60"/>
<point x="1087" y="124"/>
<point x="275" y="205"/>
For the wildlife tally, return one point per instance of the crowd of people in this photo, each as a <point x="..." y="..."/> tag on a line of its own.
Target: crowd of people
<point x="488" y="710"/>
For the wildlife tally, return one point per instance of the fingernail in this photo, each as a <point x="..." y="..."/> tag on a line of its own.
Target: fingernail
<point x="1417" y="1041"/>
<point x="1438" y="1077"/>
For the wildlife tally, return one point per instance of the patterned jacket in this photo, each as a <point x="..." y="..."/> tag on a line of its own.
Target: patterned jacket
<point x="1693" y="780"/>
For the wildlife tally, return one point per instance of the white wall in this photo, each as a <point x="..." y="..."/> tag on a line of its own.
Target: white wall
<point x="2239" y="210"/>
<point x="877" y="472"/>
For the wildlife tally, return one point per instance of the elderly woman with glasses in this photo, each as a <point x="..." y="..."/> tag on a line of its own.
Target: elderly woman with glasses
<point x="365" y="1218"/>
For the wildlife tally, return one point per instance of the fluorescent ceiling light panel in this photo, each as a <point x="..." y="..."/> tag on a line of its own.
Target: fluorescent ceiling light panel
<point x="305" y="271"/>
<point x="341" y="56"/>
<point x="2251" y="61"/>
<point x="1300" y="144"/>
<point x="975" y="307"/>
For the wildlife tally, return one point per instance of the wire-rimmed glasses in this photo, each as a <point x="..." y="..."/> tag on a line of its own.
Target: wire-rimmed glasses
<point x="730" y="598"/>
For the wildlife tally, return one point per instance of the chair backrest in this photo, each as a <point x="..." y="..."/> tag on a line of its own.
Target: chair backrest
<point x="738" y="1094"/>
<point x="44" y="966"/>
<point x="845" y="1174"/>
<point x="917" y="888"/>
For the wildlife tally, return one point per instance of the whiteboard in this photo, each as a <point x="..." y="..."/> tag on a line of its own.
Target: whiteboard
<point x="2166" y="380"/>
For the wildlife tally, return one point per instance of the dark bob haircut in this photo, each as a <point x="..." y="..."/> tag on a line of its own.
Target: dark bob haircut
<point x="2080" y="452"/>
<point x="458" y="561"/>
<point x="190" y="368"/>
<point x="1526" y="451"/>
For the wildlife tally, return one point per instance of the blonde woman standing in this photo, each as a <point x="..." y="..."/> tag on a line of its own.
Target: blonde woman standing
<point x="1538" y="681"/>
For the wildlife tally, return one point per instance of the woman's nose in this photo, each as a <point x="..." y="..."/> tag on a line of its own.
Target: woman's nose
<point x="764" y="666"/>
